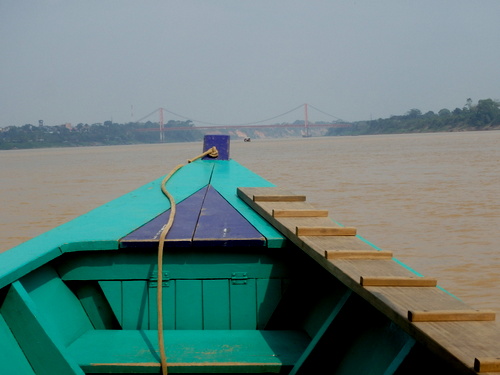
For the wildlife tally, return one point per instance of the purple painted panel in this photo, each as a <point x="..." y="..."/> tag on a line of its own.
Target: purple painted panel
<point x="219" y="141"/>
<point x="182" y="230"/>
<point x="204" y="218"/>
<point x="221" y="224"/>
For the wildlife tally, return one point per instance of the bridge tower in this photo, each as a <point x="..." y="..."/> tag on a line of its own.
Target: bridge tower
<point x="306" y="122"/>
<point x="161" y="125"/>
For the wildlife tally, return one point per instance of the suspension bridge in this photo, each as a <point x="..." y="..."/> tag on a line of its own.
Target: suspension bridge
<point x="337" y="123"/>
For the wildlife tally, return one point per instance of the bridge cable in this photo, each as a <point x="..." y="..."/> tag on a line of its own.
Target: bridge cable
<point x="319" y="110"/>
<point x="240" y="124"/>
<point x="145" y="117"/>
<point x="231" y="124"/>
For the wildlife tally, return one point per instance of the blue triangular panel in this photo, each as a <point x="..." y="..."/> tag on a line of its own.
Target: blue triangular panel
<point x="182" y="230"/>
<point x="203" y="219"/>
<point x="221" y="224"/>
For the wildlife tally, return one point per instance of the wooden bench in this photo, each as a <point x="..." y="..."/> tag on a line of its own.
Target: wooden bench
<point x="235" y="351"/>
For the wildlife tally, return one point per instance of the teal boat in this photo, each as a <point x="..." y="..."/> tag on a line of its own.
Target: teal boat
<point x="247" y="278"/>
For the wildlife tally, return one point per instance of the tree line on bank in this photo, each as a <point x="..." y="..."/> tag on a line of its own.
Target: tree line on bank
<point x="485" y="115"/>
<point x="107" y="133"/>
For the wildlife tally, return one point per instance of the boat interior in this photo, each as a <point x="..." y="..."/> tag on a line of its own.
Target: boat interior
<point x="247" y="309"/>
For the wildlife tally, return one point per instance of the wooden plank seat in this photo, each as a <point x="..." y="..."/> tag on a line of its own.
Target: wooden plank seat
<point x="197" y="351"/>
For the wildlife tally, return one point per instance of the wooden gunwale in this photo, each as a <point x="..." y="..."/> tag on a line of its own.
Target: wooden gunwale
<point x="458" y="342"/>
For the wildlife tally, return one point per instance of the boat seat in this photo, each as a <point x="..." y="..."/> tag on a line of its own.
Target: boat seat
<point x="189" y="351"/>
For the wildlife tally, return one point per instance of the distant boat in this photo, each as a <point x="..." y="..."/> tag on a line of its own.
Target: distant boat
<point x="248" y="139"/>
<point x="254" y="279"/>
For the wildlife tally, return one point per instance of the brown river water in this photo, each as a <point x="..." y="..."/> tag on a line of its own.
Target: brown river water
<point x="433" y="199"/>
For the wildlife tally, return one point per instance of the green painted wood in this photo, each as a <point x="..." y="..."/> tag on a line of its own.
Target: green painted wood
<point x="188" y="306"/>
<point x="243" y="305"/>
<point x="190" y="351"/>
<point x="135" y="304"/>
<point x="379" y="346"/>
<point x="168" y="306"/>
<point x="216" y="304"/>
<point x="400" y="357"/>
<point x="61" y="310"/>
<point x="27" y="257"/>
<point x="227" y="177"/>
<point x="268" y="296"/>
<point x="96" y="305"/>
<point x="138" y="264"/>
<point x="113" y="292"/>
<point x="422" y="360"/>
<point x="46" y="354"/>
<point x="377" y="341"/>
<point x="317" y="303"/>
<point x="298" y="368"/>
<point x="12" y="359"/>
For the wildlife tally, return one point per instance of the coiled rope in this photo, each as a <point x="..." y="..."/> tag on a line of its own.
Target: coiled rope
<point x="212" y="152"/>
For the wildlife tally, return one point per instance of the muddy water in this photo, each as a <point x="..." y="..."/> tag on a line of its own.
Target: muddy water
<point x="433" y="199"/>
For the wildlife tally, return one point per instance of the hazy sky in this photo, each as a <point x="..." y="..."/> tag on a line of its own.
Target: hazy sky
<point x="228" y="61"/>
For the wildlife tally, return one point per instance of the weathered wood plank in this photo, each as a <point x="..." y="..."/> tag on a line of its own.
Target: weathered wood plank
<point x="491" y="364"/>
<point x="455" y="341"/>
<point x="271" y="194"/>
<point x="324" y="243"/>
<point x="299" y="212"/>
<point x="451" y="315"/>
<point x="355" y="268"/>
<point x="397" y="281"/>
<point x="358" y="254"/>
<point x="279" y="198"/>
<point x="465" y="340"/>
<point x="325" y="231"/>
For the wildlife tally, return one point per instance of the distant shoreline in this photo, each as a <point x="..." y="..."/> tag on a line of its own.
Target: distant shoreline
<point x="32" y="146"/>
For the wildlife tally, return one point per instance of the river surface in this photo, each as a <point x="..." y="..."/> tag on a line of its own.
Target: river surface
<point x="433" y="199"/>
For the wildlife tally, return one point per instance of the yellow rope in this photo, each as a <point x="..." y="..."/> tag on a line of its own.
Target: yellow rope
<point x="212" y="152"/>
